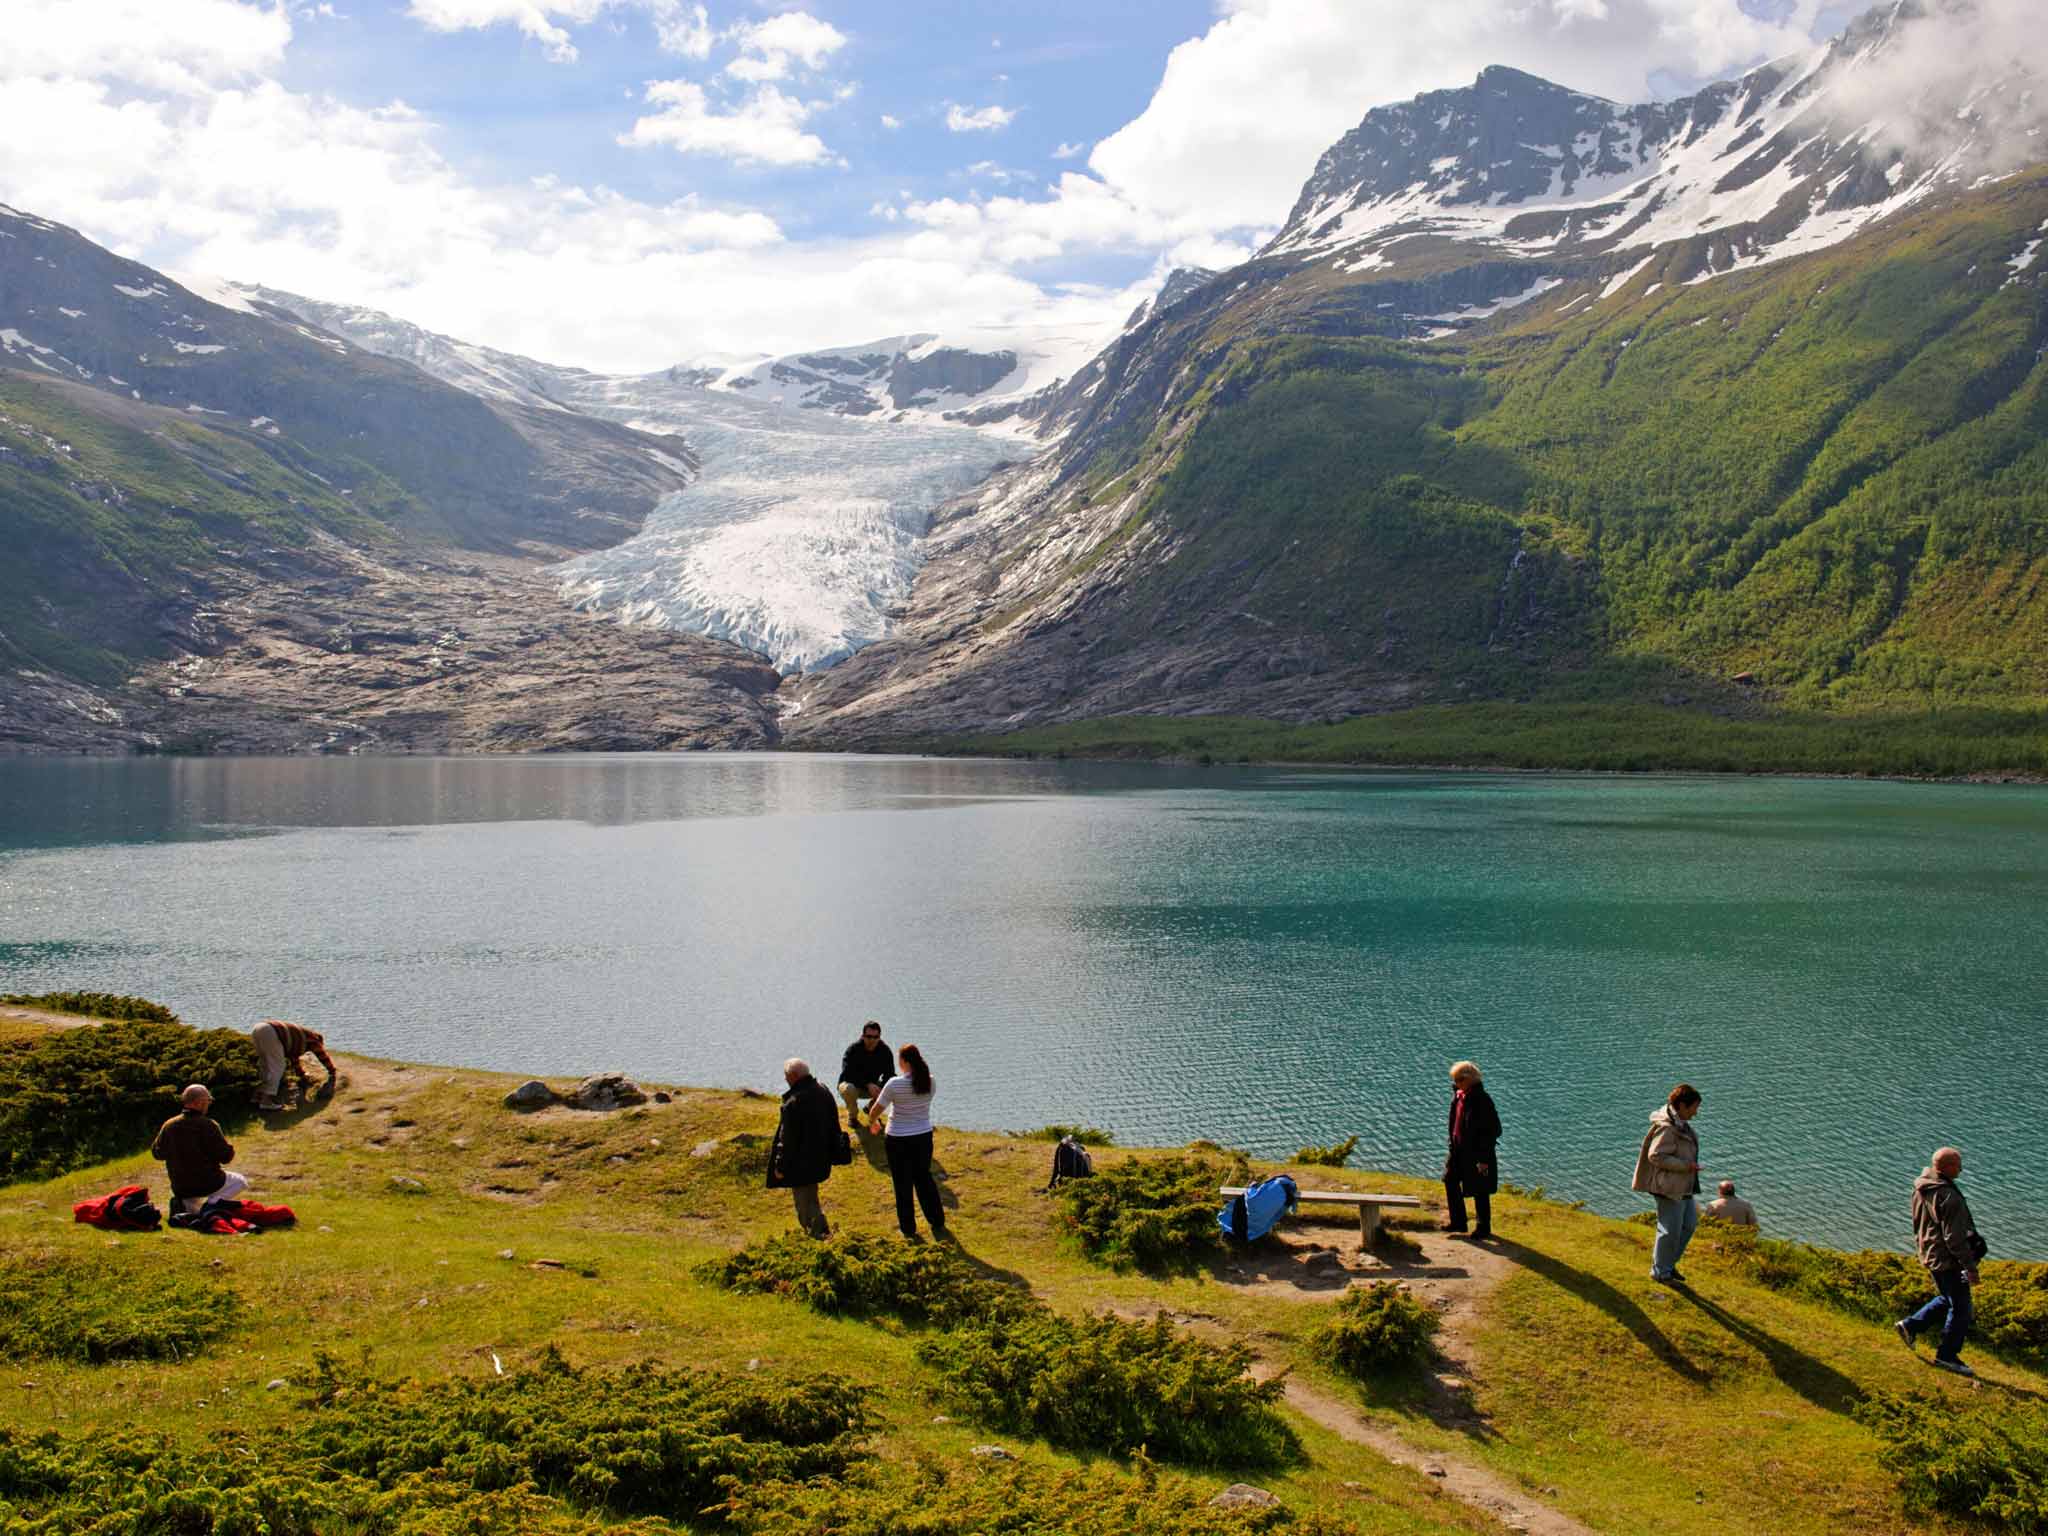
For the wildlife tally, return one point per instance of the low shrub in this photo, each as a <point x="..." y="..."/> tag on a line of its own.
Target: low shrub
<point x="863" y="1274"/>
<point x="2011" y="1296"/>
<point x="1016" y="1498"/>
<point x="113" y="1306"/>
<point x="1987" y="1464"/>
<point x="1146" y="1213"/>
<point x="1375" y="1329"/>
<point x="1328" y="1157"/>
<point x="78" y="1096"/>
<point x="93" y="1005"/>
<point x="1087" y="1135"/>
<point x="1104" y="1384"/>
<point x="550" y="1450"/>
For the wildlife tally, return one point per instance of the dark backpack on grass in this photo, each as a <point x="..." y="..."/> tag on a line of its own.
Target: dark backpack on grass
<point x="1070" y="1160"/>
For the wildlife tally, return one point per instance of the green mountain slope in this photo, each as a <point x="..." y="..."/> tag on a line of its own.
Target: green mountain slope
<point x="1816" y="486"/>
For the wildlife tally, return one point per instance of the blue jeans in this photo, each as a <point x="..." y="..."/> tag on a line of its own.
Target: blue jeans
<point x="1677" y="1220"/>
<point x="1951" y="1309"/>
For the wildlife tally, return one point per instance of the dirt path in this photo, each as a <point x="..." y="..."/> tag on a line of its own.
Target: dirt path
<point x="1450" y="1275"/>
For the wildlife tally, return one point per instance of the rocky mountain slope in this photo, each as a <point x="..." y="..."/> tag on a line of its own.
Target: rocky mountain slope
<point x="1729" y="401"/>
<point x="177" y="473"/>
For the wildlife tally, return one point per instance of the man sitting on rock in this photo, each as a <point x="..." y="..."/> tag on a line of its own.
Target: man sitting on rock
<point x="863" y="1068"/>
<point x="283" y="1045"/>
<point x="195" y="1154"/>
<point x="1731" y="1207"/>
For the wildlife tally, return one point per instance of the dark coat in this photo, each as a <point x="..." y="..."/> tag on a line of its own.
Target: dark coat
<point x="1476" y="1145"/>
<point x="864" y="1068"/>
<point x="806" y="1138"/>
<point x="194" y="1154"/>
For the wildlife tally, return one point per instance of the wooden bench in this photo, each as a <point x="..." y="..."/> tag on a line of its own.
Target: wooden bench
<point x="1369" y="1206"/>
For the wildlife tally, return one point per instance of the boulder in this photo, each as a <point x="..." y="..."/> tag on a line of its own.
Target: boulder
<point x="607" y="1090"/>
<point x="405" y="1184"/>
<point x="995" y="1453"/>
<point x="530" y="1095"/>
<point x="1244" y="1496"/>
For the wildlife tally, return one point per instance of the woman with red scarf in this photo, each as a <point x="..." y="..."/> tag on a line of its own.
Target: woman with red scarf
<point x="1470" y="1169"/>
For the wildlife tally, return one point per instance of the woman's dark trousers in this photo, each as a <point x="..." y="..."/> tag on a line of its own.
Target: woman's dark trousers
<point x="910" y="1168"/>
<point x="1454" y="1206"/>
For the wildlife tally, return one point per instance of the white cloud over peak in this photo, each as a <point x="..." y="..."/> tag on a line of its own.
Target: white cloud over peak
<point x="765" y="129"/>
<point x="769" y="48"/>
<point x="978" y="119"/>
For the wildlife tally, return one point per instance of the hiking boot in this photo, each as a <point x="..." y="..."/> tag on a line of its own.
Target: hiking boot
<point x="1445" y="1226"/>
<point x="1904" y="1330"/>
<point x="1955" y="1366"/>
<point x="270" y="1106"/>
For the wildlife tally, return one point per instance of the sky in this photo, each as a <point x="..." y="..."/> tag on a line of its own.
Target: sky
<point x="626" y="184"/>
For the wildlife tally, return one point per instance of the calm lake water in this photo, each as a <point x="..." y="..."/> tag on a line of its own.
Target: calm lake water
<point x="1852" y="972"/>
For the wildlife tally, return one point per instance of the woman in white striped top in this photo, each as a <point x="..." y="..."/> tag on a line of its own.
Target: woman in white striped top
<point x="908" y="1099"/>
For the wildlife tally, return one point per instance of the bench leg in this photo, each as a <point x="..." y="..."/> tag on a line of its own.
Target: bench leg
<point x="1368" y="1226"/>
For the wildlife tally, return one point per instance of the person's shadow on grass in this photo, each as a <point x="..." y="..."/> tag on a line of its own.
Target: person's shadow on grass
<point x="1597" y="1292"/>
<point x="1820" y="1384"/>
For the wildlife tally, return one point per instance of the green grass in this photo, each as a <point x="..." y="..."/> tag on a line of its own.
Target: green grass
<point x="1569" y="1359"/>
<point x="1615" y="738"/>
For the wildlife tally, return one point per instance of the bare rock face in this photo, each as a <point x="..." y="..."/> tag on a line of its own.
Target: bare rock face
<point x="607" y="1090"/>
<point x="342" y="651"/>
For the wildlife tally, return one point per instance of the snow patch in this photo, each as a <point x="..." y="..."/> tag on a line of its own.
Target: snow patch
<point x="154" y="291"/>
<point x="203" y="351"/>
<point x="71" y="314"/>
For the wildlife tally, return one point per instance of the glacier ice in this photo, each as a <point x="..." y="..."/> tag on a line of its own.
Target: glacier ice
<point x="800" y="535"/>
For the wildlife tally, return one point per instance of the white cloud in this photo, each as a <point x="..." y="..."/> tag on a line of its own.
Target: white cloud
<point x="891" y="122"/>
<point x="978" y="119"/>
<point x="769" y="48"/>
<point x="184" y="46"/>
<point x="765" y="129"/>
<point x="680" y="26"/>
<point x="1069" y="151"/>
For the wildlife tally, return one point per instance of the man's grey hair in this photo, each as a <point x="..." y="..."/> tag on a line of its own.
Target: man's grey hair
<point x="796" y="1066"/>
<point x="195" y="1094"/>
<point x="1727" y="1186"/>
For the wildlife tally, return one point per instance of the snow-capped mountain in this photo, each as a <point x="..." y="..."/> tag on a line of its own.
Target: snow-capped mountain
<point x="1794" y="156"/>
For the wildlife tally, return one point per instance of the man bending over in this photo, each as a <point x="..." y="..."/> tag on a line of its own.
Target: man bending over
<point x="284" y="1045"/>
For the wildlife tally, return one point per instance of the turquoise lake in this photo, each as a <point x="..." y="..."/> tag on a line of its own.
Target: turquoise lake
<point x="1851" y="972"/>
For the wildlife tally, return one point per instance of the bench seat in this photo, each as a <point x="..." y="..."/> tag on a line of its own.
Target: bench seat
<point x="1369" y="1205"/>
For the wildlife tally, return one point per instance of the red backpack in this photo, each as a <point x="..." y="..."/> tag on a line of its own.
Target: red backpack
<point x="127" y="1209"/>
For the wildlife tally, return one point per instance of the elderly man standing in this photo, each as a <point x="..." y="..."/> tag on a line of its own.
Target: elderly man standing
<point x="195" y="1154"/>
<point x="1950" y="1248"/>
<point x="801" y="1157"/>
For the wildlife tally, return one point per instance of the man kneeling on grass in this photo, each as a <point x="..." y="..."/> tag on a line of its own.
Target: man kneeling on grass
<point x="283" y="1045"/>
<point x="195" y="1154"/>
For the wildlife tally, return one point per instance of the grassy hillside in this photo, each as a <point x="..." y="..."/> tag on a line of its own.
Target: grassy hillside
<point x="464" y="1271"/>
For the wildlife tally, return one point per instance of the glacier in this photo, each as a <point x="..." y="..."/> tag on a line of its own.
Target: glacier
<point x="800" y="535"/>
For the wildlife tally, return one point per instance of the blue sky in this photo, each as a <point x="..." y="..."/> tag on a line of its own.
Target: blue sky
<point x="624" y="184"/>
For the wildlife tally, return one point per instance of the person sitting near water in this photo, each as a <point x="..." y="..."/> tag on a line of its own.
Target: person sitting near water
<point x="863" y="1068"/>
<point x="1731" y="1207"/>
<point x="282" y="1045"/>
<point x="195" y="1154"/>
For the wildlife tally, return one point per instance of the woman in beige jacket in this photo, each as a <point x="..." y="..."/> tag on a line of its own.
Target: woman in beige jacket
<point x="1668" y="1168"/>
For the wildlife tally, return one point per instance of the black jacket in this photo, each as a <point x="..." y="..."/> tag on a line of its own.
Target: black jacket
<point x="806" y="1138"/>
<point x="1476" y="1145"/>
<point x="862" y="1067"/>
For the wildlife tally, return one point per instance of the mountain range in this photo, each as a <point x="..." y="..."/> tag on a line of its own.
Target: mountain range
<point x="1733" y="402"/>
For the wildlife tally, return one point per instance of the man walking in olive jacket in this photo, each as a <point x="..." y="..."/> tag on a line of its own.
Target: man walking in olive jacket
<point x="1950" y="1248"/>
<point x="801" y="1157"/>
